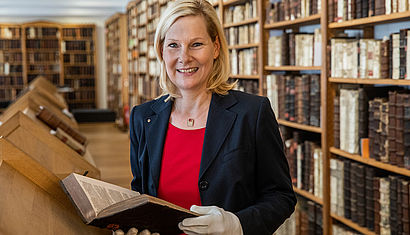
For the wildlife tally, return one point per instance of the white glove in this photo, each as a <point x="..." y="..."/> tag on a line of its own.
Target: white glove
<point x="214" y="221"/>
<point x="133" y="231"/>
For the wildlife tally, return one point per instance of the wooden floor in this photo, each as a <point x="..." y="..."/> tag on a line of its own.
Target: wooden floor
<point x="110" y="149"/>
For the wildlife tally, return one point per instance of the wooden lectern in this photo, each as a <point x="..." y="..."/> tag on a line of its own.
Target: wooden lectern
<point x="31" y="199"/>
<point x="34" y="98"/>
<point x="34" y="138"/>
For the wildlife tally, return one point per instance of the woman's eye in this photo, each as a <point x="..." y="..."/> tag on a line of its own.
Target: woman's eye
<point x="172" y="45"/>
<point x="197" y="44"/>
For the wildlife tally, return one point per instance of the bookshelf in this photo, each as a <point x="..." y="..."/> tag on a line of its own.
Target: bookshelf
<point x="385" y="169"/>
<point x="79" y="59"/>
<point x="11" y="63"/>
<point x="117" y="67"/>
<point x="62" y="53"/>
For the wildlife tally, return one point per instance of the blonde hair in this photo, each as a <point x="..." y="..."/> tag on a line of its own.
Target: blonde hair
<point x="218" y="78"/>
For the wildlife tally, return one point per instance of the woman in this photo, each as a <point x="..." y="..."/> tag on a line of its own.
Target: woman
<point x="204" y="144"/>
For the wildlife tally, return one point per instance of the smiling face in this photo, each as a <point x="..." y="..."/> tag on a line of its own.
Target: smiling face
<point x="188" y="52"/>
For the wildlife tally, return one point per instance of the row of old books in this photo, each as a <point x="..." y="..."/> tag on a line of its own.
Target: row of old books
<point x="296" y="49"/>
<point x="248" y="86"/>
<point x="369" y="198"/>
<point x="371" y="58"/>
<point x="77" y="45"/>
<point x="10" y="44"/>
<point x="40" y="32"/>
<point x="11" y="81"/>
<point x="78" y="83"/>
<point x="78" y="32"/>
<point x="10" y="57"/>
<point x="239" y="13"/>
<point x="306" y="220"/>
<point x="78" y="58"/>
<point x="35" y="57"/>
<point x="42" y="44"/>
<point x="342" y="10"/>
<point x="362" y="114"/>
<point x="7" y="68"/>
<point x="244" y="61"/>
<point x="284" y="10"/>
<point x="295" y="98"/>
<point x="79" y="70"/>
<point x="305" y="164"/>
<point x="148" y="87"/>
<point x="244" y="34"/>
<point x="10" y="32"/>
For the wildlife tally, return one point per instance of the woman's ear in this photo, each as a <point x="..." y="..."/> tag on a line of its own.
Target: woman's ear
<point x="217" y="47"/>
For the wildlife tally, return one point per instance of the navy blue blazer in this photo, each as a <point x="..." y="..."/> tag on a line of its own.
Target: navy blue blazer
<point x="243" y="166"/>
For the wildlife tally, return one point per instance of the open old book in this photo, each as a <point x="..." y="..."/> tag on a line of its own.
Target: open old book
<point x="109" y="206"/>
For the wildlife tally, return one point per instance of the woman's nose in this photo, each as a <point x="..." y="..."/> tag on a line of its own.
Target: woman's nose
<point x="184" y="55"/>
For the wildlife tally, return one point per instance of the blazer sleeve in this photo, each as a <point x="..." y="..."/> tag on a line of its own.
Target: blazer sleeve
<point x="135" y="133"/>
<point x="276" y="200"/>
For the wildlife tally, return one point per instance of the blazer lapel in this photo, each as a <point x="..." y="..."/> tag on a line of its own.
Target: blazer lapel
<point x="219" y="123"/>
<point x="156" y="128"/>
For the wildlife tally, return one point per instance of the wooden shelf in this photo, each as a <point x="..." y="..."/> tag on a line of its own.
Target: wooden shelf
<point x="230" y="2"/>
<point x="254" y="77"/>
<point x="313" y="19"/>
<point x="291" y="68"/>
<point x="245" y="22"/>
<point x="369" y="21"/>
<point x="398" y="82"/>
<point x="371" y="162"/>
<point x="308" y="195"/>
<point x="244" y="46"/>
<point x="352" y="224"/>
<point x="300" y="126"/>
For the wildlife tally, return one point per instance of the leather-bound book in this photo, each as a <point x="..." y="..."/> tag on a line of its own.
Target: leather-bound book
<point x="363" y="114"/>
<point x="318" y="217"/>
<point x="399" y="130"/>
<point x="361" y="195"/>
<point x="403" y="52"/>
<point x="358" y="9"/>
<point x="379" y="8"/>
<point x="299" y="99"/>
<point x="330" y="12"/>
<point x="346" y="188"/>
<point x="314" y="100"/>
<point x="393" y="204"/>
<point x="281" y="83"/>
<point x="289" y="98"/>
<point x="369" y="198"/>
<point x="384" y="58"/>
<point x="405" y="218"/>
<point x="336" y="122"/>
<point x="306" y="99"/>
<point x="365" y="8"/>
<point x="384" y="122"/>
<point x="292" y="44"/>
<point x="372" y="131"/>
<point x="311" y="217"/>
<point x="376" y="196"/>
<point x="353" y="192"/>
<point x="285" y="48"/>
<point x="406" y="130"/>
<point x="392" y="126"/>
<point x="371" y="8"/>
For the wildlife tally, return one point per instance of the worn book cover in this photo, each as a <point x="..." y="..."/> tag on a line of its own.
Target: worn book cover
<point x="109" y="206"/>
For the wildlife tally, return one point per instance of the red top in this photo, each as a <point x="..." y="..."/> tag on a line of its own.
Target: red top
<point x="178" y="181"/>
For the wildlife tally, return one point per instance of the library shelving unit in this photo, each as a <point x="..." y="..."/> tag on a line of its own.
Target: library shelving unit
<point x="42" y="51"/>
<point x="62" y="53"/>
<point x="273" y="26"/>
<point x="366" y="25"/>
<point x="132" y="56"/>
<point x="11" y="63"/>
<point x="79" y="59"/>
<point x="117" y="67"/>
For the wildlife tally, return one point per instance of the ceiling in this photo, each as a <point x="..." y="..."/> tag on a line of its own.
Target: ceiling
<point x="69" y="8"/>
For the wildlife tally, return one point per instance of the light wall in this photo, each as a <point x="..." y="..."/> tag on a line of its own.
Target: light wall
<point x="99" y="22"/>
